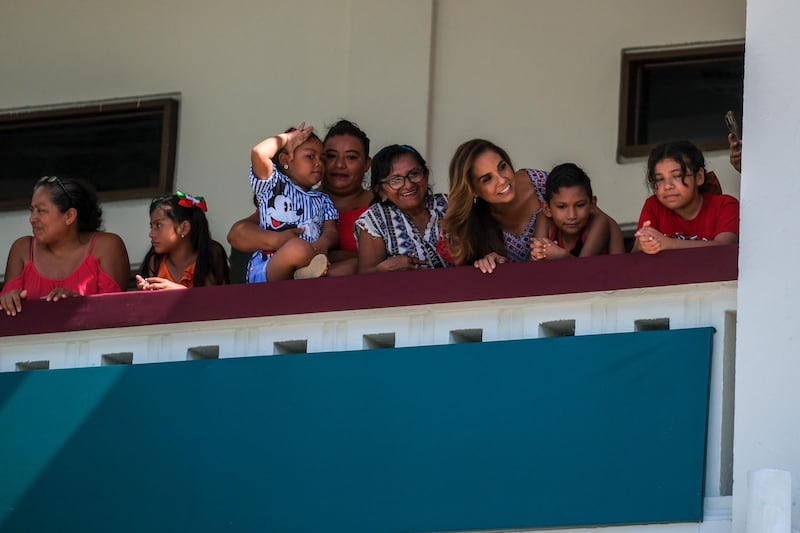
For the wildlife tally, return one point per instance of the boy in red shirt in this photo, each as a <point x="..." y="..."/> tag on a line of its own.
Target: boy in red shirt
<point x="569" y="205"/>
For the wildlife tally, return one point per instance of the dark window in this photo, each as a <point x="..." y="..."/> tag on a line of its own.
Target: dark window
<point x="126" y="150"/>
<point x="672" y="94"/>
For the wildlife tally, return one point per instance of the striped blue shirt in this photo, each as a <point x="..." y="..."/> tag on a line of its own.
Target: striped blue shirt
<point x="283" y="205"/>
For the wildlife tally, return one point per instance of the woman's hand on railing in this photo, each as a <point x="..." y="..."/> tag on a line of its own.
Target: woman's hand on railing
<point x="11" y="302"/>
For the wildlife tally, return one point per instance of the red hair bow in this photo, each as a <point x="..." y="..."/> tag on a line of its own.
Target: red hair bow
<point x="187" y="200"/>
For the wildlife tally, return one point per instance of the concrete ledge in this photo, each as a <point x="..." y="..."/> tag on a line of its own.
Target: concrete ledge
<point x="375" y="291"/>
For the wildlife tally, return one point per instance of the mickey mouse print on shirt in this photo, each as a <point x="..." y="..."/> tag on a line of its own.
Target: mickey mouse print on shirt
<point x="283" y="205"/>
<point x="281" y="213"/>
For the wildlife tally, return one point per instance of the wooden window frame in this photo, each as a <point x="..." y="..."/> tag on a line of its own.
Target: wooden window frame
<point x="634" y="61"/>
<point x="96" y="113"/>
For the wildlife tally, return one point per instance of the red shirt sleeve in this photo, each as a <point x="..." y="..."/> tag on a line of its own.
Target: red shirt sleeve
<point x="649" y="213"/>
<point x="728" y="215"/>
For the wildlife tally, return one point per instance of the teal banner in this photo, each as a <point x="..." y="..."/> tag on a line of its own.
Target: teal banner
<point x="559" y="432"/>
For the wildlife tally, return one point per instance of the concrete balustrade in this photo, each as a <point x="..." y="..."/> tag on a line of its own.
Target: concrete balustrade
<point x="682" y="289"/>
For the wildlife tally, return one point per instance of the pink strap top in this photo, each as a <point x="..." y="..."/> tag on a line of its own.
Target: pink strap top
<point x="87" y="279"/>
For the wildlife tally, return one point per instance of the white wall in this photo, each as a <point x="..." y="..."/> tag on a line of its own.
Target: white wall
<point x="430" y="73"/>
<point x="767" y="420"/>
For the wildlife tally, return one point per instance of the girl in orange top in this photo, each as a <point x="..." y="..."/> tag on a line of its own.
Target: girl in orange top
<point x="182" y="254"/>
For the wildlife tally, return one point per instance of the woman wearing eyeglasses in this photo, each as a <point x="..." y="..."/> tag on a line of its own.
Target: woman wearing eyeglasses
<point x="401" y="229"/>
<point x="67" y="255"/>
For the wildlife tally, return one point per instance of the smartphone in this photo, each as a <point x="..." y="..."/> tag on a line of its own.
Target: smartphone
<point x="733" y="125"/>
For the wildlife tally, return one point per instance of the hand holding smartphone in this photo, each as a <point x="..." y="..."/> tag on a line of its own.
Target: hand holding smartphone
<point x="735" y="140"/>
<point x="733" y="126"/>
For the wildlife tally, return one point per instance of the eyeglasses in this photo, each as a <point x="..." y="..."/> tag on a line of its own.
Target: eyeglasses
<point x="54" y="179"/>
<point x="397" y="182"/>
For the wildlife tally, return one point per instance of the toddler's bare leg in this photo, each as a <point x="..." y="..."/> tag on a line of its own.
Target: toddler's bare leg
<point x="294" y="254"/>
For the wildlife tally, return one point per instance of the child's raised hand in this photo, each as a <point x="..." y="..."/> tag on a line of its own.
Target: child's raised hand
<point x="295" y="138"/>
<point x="651" y="241"/>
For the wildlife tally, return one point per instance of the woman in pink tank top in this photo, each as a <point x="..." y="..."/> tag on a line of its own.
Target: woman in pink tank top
<point x="67" y="255"/>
